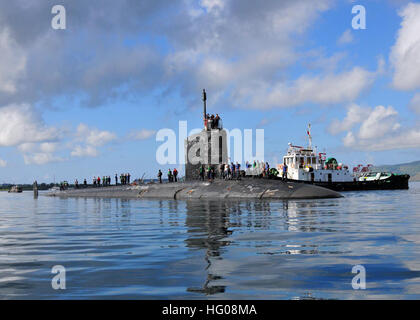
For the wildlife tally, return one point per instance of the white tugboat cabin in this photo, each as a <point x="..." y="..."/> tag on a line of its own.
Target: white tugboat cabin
<point x="305" y="164"/>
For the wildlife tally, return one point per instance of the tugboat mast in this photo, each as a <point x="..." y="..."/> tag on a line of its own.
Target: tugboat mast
<point x="309" y="137"/>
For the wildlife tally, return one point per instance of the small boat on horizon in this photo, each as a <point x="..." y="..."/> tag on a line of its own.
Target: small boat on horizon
<point x="15" y="189"/>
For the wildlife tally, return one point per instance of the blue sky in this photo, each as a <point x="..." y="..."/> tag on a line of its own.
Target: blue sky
<point x="88" y="100"/>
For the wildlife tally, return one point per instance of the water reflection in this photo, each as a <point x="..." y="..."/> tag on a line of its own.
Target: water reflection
<point x="209" y="226"/>
<point x="304" y="216"/>
<point x="124" y="248"/>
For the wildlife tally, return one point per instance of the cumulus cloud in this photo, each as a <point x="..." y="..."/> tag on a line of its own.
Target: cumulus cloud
<point x="378" y="129"/>
<point x="227" y="46"/>
<point x="91" y="57"/>
<point x="40" y="158"/>
<point x="19" y="124"/>
<point x="22" y="127"/>
<point x="88" y="139"/>
<point x="415" y="103"/>
<point x="3" y="163"/>
<point x="346" y="37"/>
<point x="405" y="54"/>
<point x="40" y="153"/>
<point x="325" y="90"/>
<point x="355" y="115"/>
<point x="380" y="121"/>
<point x="142" y="134"/>
<point x="86" y="151"/>
<point x="12" y="63"/>
<point x="93" y="136"/>
<point x="245" y="47"/>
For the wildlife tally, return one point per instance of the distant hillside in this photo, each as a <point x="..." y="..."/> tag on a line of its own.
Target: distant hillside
<point x="412" y="168"/>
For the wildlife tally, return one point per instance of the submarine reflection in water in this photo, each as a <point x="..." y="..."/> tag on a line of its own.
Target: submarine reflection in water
<point x="210" y="223"/>
<point x="211" y="226"/>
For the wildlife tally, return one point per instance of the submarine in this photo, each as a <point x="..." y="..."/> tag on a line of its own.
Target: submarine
<point x="205" y="149"/>
<point x="250" y="189"/>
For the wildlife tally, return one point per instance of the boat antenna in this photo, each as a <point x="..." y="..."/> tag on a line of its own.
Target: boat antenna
<point x="309" y="136"/>
<point x="204" y="108"/>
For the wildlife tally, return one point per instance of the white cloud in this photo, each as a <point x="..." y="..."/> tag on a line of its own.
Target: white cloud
<point x="242" y="52"/>
<point x="39" y="153"/>
<point x="380" y="122"/>
<point x="22" y="127"/>
<point x="20" y="124"/>
<point x="93" y="136"/>
<point x="346" y="37"/>
<point x="86" y="151"/>
<point x="378" y="129"/>
<point x="3" y="163"/>
<point x="40" y="158"/>
<point x="48" y="147"/>
<point x="355" y="115"/>
<point x="415" y="103"/>
<point x="12" y="62"/>
<point x="233" y="48"/>
<point x="349" y="140"/>
<point x="325" y="90"/>
<point x="212" y="4"/>
<point x="142" y="134"/>
<point x="408" y="139"/>
<point x="405" y="54"/>
<point x="89" y="139"/>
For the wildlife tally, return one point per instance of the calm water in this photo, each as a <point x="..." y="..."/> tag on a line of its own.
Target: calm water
<point x="193" y="250"/>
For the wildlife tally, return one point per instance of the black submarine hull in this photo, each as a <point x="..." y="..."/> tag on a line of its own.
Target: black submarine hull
<point x="244" y="189"/>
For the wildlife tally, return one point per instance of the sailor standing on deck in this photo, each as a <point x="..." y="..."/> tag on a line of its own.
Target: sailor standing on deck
<point x="202" y="173"/>
<point x="285" y="172"/>
<point x="226" y="174"/>
<point x="175" y="174"/>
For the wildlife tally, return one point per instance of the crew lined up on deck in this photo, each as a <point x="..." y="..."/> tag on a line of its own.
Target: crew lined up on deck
<point x="172" y="175"/>
<point x="124" y="179"/>
<point x="226" y="171"/>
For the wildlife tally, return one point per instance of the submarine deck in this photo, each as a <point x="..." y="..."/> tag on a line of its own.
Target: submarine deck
<point x="218" y="189"/>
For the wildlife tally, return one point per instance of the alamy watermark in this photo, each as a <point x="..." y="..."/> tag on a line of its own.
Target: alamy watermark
<point x="359" y="280"/>
<point x="58" y="282"/>
<point x="172" y="150"/>
<point x="359" y="20"/>
<point x="58" y="22"/>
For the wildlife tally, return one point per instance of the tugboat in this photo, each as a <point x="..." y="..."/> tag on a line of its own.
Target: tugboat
<point x="308" y="166"/>
<point x="15" y="189"/>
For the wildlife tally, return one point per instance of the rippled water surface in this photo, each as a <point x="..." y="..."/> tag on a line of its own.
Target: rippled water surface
<point x="141" y="249"/>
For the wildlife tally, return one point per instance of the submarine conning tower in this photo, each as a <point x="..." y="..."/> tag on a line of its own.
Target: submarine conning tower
<point x="206" y="148"/>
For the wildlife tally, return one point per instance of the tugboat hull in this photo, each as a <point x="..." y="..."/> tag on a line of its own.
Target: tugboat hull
<point x="394" y="182"/>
